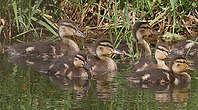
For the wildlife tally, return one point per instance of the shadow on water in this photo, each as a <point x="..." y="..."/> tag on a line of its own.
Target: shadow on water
<point x="24" y="88"/>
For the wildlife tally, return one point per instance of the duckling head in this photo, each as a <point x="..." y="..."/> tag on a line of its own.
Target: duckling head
<point x="80" y="61"/>
<point x="105" y="47"/>
<point x="179" y="65"/>
<point x="162" y="52"/>
<point x="68" y="28"/>
<point x="140" y="30"/>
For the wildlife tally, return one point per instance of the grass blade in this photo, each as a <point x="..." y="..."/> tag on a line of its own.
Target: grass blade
<point x="45" y="25"/>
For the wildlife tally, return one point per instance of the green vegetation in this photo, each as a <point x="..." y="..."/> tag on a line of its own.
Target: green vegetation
<point x="33" y="18"/>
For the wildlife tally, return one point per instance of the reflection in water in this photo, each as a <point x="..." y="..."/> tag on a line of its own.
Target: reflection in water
<point x="80" y="85"/>
<point x="105" y="88"/>
<point x="168" y="93"/>
<point x="104" y="91"/>
<point x="35" y="63"/>
<point x="174" y="95"/>
<point x="180" y="95"/>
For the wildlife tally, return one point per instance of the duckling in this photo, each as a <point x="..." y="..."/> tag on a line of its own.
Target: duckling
<point x="161" y="54"/>
<point x="44" y="50"/>
<point x="186" y="48"/>
<point x="101" y="62"/>
<point x="159" y="77"/>
<point x="178" y="66"/>
<point x="70" y="67"/>
<point x="140" y="31"/>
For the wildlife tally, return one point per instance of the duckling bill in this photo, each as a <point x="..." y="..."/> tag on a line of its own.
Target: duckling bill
<point x="69" y="27"/>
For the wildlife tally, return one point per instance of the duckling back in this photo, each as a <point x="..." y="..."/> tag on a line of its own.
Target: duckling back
<point x="150" y="78"/>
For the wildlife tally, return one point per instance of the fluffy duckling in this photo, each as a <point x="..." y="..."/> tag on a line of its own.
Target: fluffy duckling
<point x="101" y="62"/>
<point x="159" y="77"/>
<point x="70" y="67"/>
<point x="44" y="50"/>
<point x="161" y="54"/>
<point x="178" y="66"/>
<point x="140" y="31"/>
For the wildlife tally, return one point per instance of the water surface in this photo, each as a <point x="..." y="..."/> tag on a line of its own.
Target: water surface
<point x="24" y="88"/>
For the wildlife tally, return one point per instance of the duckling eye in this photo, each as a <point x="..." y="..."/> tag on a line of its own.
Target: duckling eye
<point x="100" y="48"/>
<point x="75" y="59"/>
<point x="178" y="64"/>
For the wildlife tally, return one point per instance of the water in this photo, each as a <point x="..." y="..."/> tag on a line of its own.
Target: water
<point x="23" y="88"/>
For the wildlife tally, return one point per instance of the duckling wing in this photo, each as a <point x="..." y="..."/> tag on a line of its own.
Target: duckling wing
<point x="91" y="49"/>
<point x="60" y="67"/>
<point x="150" y="77"/>
<point x="41" y="49"/>
<point x="143" y="64"/>
<point x="92" y="60"/>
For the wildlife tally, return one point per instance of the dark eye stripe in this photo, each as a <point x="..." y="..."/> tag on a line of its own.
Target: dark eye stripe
<point x="68" y="26"/>
<point x="182" y="62"/>
<point x="80" y="58"/>
<point x="163" y="50"/>
<point x="106" y="45"/>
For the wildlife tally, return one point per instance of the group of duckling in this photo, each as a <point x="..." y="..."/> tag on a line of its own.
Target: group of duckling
<point x="65" y="59"/>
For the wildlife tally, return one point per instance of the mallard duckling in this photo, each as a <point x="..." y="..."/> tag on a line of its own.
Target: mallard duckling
<point x="44" y="50"/>
<point x="101" y="62"/>
<point x="186" y="48"/>
<point x="159" y="77"/>
<point x="140" y="31"/>
<point x="70" y="67"/>
<point x="161" y="54"/>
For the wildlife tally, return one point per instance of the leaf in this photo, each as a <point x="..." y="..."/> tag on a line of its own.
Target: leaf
<point x="45" y="25"/>
<point x="16" y="14"/>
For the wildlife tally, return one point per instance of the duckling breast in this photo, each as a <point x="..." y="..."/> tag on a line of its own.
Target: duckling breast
<point x="104" y="65"/>
<point x="182" y="79"/>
